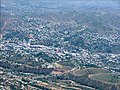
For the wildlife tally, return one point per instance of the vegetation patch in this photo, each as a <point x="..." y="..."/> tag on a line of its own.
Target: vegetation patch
<point x="89" y="71"/>
<point x="113" y="79"/>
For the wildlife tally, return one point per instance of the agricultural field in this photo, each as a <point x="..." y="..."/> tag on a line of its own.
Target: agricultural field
<point x="107" y="78"/>
<point x="89" y="71"/>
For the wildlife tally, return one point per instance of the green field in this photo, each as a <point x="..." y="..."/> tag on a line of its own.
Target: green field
<point x="89" y="71"/>
<point x="107" y="78"/>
